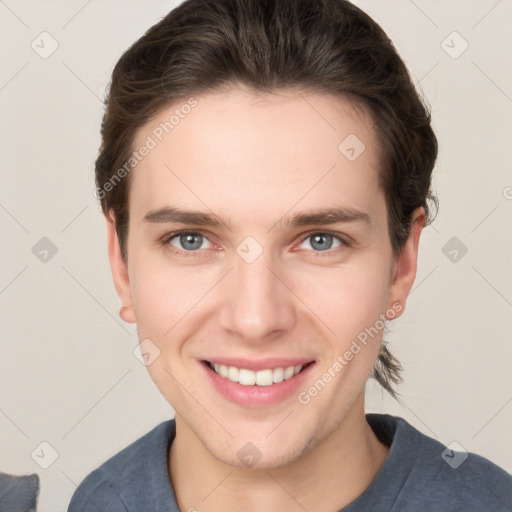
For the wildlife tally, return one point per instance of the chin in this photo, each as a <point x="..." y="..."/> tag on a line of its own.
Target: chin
<point x="262" y="459"/>
<point x="263" y="452"/>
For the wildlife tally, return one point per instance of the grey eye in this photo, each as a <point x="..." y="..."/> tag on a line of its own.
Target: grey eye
<point x="322" y="241"/>
<point x="188" y="241"/>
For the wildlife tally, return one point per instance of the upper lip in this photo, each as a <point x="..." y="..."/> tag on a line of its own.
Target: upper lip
<point x="262" y="364"/>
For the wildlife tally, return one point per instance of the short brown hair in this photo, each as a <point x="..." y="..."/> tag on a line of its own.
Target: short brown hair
<point x="325" y="46"/>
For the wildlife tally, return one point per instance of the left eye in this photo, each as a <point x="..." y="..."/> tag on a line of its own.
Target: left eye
<point x="322" y="241"/>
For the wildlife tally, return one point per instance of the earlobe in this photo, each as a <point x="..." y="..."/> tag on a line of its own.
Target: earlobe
<point x="119" y="272"/>
<point x="405" y="265"/>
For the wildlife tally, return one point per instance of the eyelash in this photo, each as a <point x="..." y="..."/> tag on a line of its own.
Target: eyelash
<point x="345" y="243"/>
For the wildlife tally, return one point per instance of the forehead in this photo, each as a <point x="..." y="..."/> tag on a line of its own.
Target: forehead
<point x="237" y="149"/>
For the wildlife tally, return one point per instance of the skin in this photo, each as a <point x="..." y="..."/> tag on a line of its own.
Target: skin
<point x="253" y="159"/>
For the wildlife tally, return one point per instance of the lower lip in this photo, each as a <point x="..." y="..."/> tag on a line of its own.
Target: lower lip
<point x="256" y="396"/>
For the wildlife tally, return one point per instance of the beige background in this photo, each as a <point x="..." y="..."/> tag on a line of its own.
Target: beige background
<point x="68" y="375"/>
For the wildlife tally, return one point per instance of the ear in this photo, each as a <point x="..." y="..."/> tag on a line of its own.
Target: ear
<point x="119" y="272"/>
<point x="404" y="268"/>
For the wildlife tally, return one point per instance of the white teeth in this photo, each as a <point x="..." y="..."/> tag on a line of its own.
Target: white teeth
<point x="288" y="372"/>
<point x="259" y="378"/>
<point x="233" y="373"/>
<point x="278" y="375"/>
<point x="264" y="378"/>
<point x="246" y="377"/>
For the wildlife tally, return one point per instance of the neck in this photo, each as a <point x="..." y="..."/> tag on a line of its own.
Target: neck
<point x="329" y="476"/>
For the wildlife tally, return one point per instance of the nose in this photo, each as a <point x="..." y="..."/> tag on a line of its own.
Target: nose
<point x="257" y="303"/>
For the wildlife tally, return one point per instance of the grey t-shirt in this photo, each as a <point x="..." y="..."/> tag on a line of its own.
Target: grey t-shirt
<point x="419" y="475"/>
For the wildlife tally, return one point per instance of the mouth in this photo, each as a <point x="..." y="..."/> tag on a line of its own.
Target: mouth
<point x="266" y="384"/>
<point x="263" y="378"/>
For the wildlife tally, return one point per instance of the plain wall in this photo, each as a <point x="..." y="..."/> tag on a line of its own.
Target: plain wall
<point x="68" y="375"/>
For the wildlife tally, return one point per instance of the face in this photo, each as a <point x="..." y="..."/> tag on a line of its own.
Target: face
<point x="258" y="247"/>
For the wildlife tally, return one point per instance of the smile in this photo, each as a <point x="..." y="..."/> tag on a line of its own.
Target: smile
<point x="257" y="384"/>
<point x="247" y="377"/>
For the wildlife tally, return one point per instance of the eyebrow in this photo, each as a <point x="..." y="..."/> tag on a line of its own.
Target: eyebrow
<point x="319" y="216"/>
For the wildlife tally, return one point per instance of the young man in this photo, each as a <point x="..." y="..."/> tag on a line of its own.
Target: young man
<point x="265" y="175"/>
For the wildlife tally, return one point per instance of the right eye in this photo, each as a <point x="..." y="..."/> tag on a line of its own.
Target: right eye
<point x="186" y="242"/>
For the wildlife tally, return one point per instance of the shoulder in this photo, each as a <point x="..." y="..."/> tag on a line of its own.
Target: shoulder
<point x="113" y="484"/>
<point x="467" y="479"/>
<point x="94" y="494"/>
<point x="440" y="477"/>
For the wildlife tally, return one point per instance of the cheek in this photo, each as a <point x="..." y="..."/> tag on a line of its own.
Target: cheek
<point x="163" y="296"/>
<point x="347" y="299"/>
